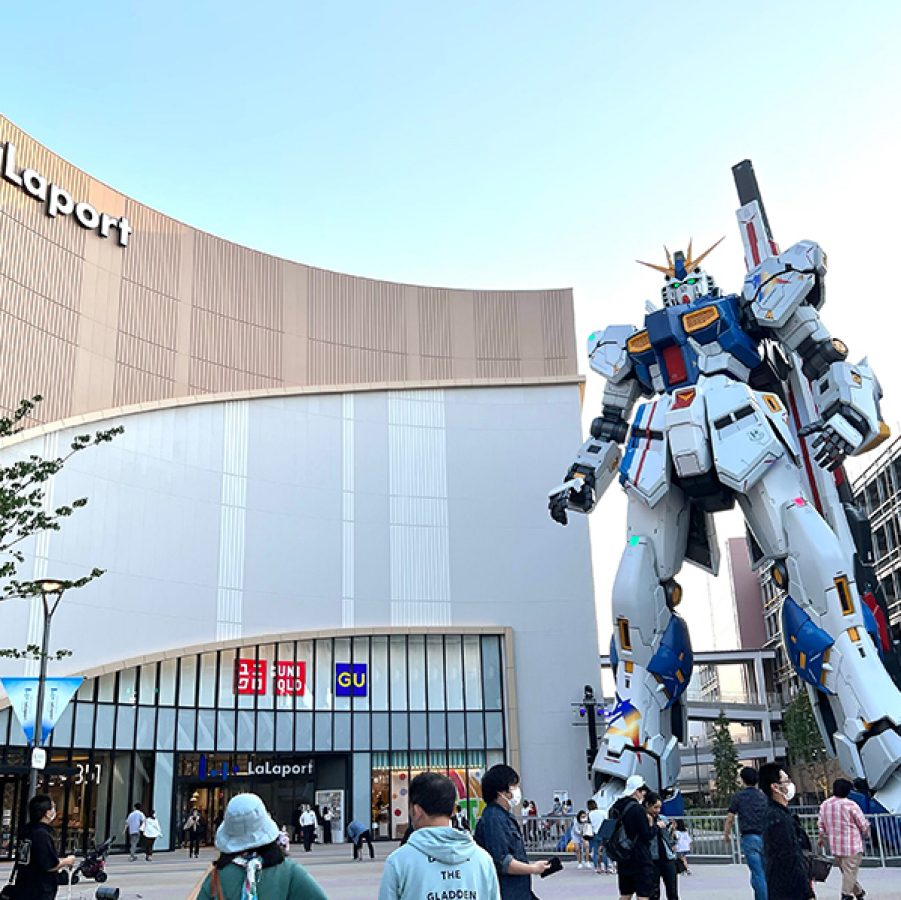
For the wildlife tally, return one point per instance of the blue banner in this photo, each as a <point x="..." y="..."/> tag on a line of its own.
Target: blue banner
<point x="23" y="697"/>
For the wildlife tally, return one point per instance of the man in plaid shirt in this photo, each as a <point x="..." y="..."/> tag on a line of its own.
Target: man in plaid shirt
<point x="842" y="822"/>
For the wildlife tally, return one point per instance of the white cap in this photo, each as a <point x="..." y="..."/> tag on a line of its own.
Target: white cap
<point x="632" y="785"/>
<point x="246" y="825"/>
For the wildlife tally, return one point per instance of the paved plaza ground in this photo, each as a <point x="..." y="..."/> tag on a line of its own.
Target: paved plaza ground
<point x="171" y="876"/>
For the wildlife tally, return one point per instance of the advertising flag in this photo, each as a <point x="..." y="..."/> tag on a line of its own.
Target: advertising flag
<point x="23" y="697"/>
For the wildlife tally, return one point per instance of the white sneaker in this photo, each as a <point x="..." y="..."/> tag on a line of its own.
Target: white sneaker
<point x="579" y="866"/>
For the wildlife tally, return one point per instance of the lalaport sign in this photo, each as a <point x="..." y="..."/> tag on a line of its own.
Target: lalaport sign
<point x="58" y="201"/>
<point x="280" y="769"/>
<point x="217" y="767"/>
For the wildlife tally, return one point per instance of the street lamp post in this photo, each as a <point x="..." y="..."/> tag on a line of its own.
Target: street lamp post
<point x="590" y="705"/>
<point x="51" y="595"/>
<point x="694" y="741"/>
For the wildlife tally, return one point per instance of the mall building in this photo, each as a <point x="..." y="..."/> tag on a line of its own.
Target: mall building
<point x="329" y="564"/>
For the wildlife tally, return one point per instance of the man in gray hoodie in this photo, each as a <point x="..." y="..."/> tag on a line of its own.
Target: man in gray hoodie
<point x="437" y="862"/>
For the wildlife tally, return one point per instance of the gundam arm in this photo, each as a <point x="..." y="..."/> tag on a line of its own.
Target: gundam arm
<point x="784" y="294"/>
<point x="598" y="458"/>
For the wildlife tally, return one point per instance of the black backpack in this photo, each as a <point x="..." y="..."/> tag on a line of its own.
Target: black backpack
<point x="620" y="848"/>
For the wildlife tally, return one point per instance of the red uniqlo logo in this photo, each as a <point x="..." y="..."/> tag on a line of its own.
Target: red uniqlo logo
<point x="290" y="679"/>
<point x="250" y="676"/>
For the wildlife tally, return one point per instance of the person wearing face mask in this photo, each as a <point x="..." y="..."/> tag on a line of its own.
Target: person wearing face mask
<point x="499" y="833"/>
<point x="38" y="865"/>
<point x="663" y="851"/>
<point x="437" y="857"/>
<point x="784" y="840"/>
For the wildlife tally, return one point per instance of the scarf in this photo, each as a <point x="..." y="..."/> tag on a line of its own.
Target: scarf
<point x="251" y="865"/>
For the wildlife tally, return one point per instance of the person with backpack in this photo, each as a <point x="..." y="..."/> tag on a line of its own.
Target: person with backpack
<point x="630" y="843"/>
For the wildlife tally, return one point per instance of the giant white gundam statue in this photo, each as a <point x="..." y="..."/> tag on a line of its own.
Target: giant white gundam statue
<point x="744" y="398"/>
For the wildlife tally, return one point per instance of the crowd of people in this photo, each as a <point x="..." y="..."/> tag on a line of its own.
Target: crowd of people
<point x="777" y="849"/>
<point x="440" y="852"/>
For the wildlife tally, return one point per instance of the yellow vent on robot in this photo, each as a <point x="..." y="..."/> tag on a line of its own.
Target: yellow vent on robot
<point x="700" y="318"/>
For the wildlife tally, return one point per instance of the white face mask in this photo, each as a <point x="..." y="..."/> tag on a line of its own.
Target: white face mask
<point x="515" y="796"/>
<point x="788" y="791"/>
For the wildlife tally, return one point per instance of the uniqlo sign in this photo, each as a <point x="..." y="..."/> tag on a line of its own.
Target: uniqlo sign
<point x="250" y="676"/>
<point x="290" y="678"/>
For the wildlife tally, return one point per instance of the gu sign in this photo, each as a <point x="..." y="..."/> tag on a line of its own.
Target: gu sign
<point x="350" y="680"/>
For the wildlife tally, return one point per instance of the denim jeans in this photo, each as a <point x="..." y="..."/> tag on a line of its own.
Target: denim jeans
<point x="598" y="851"/>
<point x="752" y="848"/>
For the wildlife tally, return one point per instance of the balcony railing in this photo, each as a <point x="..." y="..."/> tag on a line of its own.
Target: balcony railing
<point x="553" y="834"/>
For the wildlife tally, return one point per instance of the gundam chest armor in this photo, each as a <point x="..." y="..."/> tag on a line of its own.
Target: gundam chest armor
<point x="740" y="399"/>
<point x="705" y="429"/>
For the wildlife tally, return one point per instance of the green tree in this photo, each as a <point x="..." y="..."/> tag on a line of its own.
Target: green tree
<point x="806" y="751"/>
<point x="725" y="762"/>
<point x="25" y="510"/>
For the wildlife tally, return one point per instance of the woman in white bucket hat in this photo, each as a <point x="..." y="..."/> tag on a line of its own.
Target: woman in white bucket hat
<point x="251" y="865"/>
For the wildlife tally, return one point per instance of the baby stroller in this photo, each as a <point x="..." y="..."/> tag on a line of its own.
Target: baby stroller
<point x="94" y="864"/>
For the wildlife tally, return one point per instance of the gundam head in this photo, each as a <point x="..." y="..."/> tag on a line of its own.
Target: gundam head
<point x="684" y="278"/>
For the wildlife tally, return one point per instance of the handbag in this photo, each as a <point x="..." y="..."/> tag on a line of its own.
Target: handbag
<point x="587" y="830"/>
<point x="818" y="866"/>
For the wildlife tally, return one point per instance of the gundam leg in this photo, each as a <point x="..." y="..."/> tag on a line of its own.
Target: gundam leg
<point x="827" y="631"/>
<point x="650" y="648"/>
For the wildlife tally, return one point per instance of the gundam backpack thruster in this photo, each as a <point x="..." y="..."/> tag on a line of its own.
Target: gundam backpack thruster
<point x="740" y="398"/>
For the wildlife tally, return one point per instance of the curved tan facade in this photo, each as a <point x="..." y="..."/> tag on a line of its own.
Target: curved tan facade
<point x="177" y="313"/>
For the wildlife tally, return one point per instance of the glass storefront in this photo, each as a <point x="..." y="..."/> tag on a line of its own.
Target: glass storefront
<point x="193" y="730"/>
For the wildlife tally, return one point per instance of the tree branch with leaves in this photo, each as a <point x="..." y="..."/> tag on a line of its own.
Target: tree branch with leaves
<point x="725" y="762"/>
<point x="25" y="511"/>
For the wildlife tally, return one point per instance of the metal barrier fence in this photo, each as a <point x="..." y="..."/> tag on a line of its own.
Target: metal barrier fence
<point x="552" y="834"/>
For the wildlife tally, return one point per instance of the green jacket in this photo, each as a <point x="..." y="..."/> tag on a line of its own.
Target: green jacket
<point x="288" y="881"/>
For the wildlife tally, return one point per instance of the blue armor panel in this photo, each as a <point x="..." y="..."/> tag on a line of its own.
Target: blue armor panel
<point x="671" y="665"/>
<point x="806" y="642"/>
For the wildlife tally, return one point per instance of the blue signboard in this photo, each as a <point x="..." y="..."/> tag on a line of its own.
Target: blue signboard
<point x="350" y="680"/>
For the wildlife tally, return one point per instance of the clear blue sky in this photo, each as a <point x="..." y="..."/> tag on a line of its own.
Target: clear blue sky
<point x="490" y="144"/>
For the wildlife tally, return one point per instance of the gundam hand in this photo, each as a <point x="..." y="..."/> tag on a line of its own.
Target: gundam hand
<point x="837" y="440"/>
<point x="587" y="479"/>
<point x="576" y="493"/>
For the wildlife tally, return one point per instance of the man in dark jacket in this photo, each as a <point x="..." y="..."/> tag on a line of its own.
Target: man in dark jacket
<point x="37" y="867"/>
<point x="498" y="832"/>
<point x="784" y="840"/>
<point x="636" y="875"/>
<point x="750" y="806"/>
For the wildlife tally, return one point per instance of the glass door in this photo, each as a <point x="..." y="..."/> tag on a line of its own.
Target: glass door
<point x="11" y="795"/>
